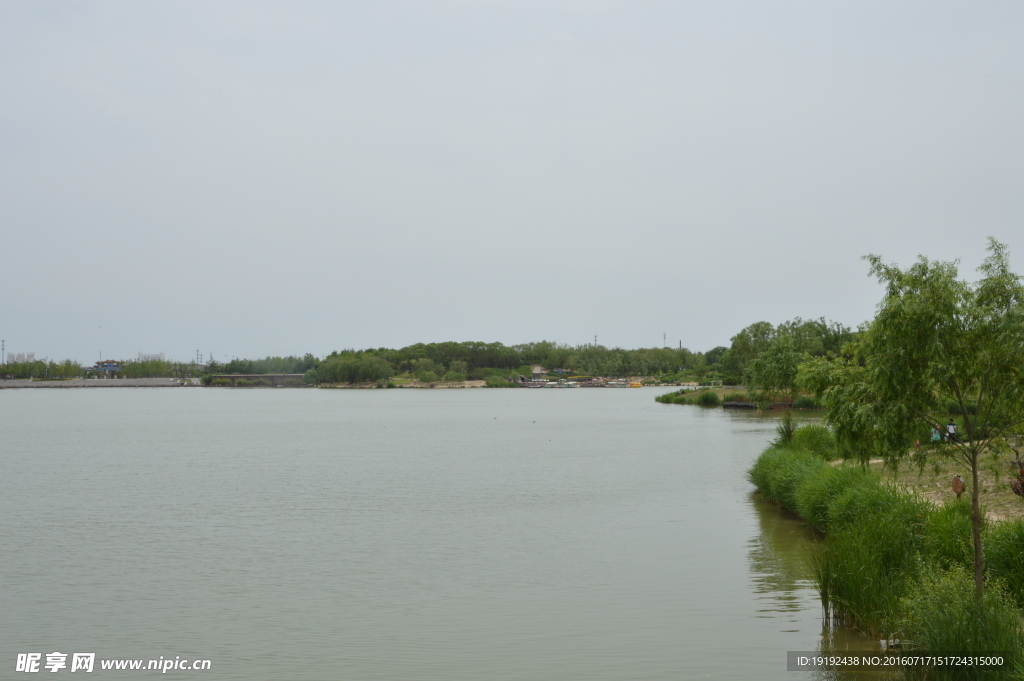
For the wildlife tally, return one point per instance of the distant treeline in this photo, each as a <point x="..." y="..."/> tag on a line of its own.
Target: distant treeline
<point x="41" y="368"/>
<point x="69" y="368"/>
<point x="478" y="360"/>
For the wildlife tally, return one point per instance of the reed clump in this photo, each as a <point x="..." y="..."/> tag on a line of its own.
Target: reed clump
<point x="815" y="497"/>
<point x="780" y="471"/>
<point x="865" y="569"/>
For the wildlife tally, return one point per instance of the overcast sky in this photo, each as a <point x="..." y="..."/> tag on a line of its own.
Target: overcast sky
<point x="249" y="178"/>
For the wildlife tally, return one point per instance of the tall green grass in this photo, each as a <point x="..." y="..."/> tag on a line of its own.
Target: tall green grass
<point x="780" y="471"/>
<point x="875" y="533"/>
<point x="817" y="439"/>
<point x="864" y="571"/>
<point x="866" y="498"/>
<point x="815" y="495"/>
<point x="948" y="539"/>
<point x="1004" y="556"/>
<point x="940" y="614"/>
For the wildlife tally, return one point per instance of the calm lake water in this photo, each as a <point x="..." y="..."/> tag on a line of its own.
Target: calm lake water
<point x="396" y="534"/>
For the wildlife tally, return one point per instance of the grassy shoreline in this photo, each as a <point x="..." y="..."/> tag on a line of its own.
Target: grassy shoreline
<point x="896" y="564"/>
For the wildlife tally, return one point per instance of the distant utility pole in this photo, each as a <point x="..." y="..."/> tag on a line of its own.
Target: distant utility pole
<point x="3" y="348"/>
<point x="664" y="339"/>
<point x="595" y="340"/>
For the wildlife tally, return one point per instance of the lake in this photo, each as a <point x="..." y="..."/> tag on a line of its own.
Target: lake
<point x="397" y="534"/>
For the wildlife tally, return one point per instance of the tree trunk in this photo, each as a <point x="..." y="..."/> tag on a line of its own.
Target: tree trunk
<point x="976" y="528"/>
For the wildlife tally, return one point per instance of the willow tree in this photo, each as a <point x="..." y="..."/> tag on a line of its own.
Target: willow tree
<point x="938" y="341"/>
<point x="772" y="375"/>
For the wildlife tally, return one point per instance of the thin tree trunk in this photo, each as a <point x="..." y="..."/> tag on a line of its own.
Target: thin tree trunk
<point x="976" y="528"/>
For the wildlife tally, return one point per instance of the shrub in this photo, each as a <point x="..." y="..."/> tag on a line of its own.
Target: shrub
<point x="708" y="399"/>
<point x="310" y="377"/>
<point x="1004" y="556"/>
<point x="207" y="379"/>
<point x="941" y="613"/>
<point x="736" y="397"/>
<point x="817" y="439"/>
<point x="454" y="377"/>
<point x="427" y="377"/>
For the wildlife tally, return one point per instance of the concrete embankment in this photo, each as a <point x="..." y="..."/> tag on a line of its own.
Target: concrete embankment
<point x="101" y="383"/>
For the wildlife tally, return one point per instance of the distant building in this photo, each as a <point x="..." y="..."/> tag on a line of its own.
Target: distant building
<point x="143" y="357"/>
<point x="107" y="368"/>
<point x="20" y="357"/>
<point x="538" y="372"/>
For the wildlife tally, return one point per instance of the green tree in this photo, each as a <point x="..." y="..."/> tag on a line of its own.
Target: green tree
<point x="772" y="374"/>
<point x="936" y="340"/>
<point x="699" y="367"/>
<point x="349" y="367"/>
<point x="852" y="409"/>
<point x="745" y="347"/>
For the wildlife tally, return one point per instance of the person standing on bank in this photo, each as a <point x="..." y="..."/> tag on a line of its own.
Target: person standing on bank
<point x="951" y="431"/>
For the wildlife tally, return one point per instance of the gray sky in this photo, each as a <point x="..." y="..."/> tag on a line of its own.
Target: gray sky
<point x="250" y="178"/>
